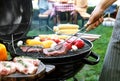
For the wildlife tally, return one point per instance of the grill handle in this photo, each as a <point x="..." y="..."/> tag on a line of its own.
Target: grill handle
<point x="89" y="61"/>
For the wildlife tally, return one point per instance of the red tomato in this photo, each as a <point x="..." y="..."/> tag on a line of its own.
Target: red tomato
<point x="68" y="45"/>
<point x="44" y="39"/>
<point x="71" y="40"/>
<point x="56" y="40"/>
<point x="79" y="43"/>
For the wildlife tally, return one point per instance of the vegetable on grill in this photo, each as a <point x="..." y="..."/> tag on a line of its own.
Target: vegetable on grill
<point x="3" y="52"/>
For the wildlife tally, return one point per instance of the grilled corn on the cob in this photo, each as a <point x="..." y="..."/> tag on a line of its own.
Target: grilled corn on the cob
<point x="68" y="26"/>
<point x="67" y="31"/>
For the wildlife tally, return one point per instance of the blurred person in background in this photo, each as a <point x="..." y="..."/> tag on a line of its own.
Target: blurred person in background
<point x="64" y="7"/>
<point x="45" y="7"/>
<point x="80" y="8"/>
<point x="111" y="65"/>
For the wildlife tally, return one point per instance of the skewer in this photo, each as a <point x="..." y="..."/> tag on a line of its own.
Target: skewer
<point x="58" y="46"/>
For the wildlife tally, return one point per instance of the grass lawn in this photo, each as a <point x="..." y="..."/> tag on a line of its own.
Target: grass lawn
<point x="89" y="72"/>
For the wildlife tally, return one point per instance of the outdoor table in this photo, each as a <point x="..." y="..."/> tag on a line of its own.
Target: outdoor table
<point x="63" y="7"/>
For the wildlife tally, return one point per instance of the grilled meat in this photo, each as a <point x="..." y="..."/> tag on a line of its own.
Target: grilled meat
<point x="25" y="65"/>
<point x="33" y="61"/>
<point x="53" y="52"/>
<point x="31" y="48"/>
<point x="7" y="67"/>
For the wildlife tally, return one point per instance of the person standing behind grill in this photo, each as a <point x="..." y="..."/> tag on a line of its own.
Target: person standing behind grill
<point x="111" y="65"/>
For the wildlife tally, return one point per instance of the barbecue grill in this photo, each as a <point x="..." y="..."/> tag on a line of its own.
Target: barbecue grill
<point x="66" y="66"/>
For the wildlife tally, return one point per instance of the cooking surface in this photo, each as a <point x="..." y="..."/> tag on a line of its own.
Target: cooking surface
<point x="69" y="54"/>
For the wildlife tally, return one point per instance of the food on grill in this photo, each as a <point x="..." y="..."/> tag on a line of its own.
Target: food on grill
<point x="74" y="48"/>
<point x="79" y="43"/>
<point x="74" y="43"/>
<point x="63" y="37"/>
<point x="55" y="28"/>
<point x="33" y="45"/>
<point x="3" y="52"/>
<point x="20" y="43"/>
<point x="25" y="65"/>
<point x="71" y="44"/>
<point x="7" y="67"/>
<point x="37" y="48"/>
<point x="57" y="40"/>
<point x="68" y="26"/>
<point x="54" y="52"/>
<point x="68" y="45"/>
<point x="37" y="38"/>
<point x="47" y="43"/>
<point x="31" y="48"/>
<point x="42" y="37"/>
<point x="53" y="36"/>
<point x="33" y="42"/>
<point x="66" y="29"/>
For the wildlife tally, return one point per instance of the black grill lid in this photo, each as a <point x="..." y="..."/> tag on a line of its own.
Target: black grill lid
<point x="15" y="18"/>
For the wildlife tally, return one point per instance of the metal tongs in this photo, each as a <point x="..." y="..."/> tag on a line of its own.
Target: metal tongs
<point x="60" y="45"/>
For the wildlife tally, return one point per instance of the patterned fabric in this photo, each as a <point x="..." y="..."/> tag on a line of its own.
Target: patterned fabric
<point x="59" y="7"/>
<point x="111" y="66"/>
<point x="64" y="7"/>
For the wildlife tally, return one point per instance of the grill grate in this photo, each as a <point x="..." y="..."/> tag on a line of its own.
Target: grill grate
<point x="42" y="55"/>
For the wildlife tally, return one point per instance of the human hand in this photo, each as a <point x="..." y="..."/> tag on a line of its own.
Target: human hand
<point x="95" y="19"/>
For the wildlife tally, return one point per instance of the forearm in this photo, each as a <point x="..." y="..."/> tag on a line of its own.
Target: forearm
<point x="105" y="4"/>
<point x="101" y="7"/>
<point x="96" y="17"/>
